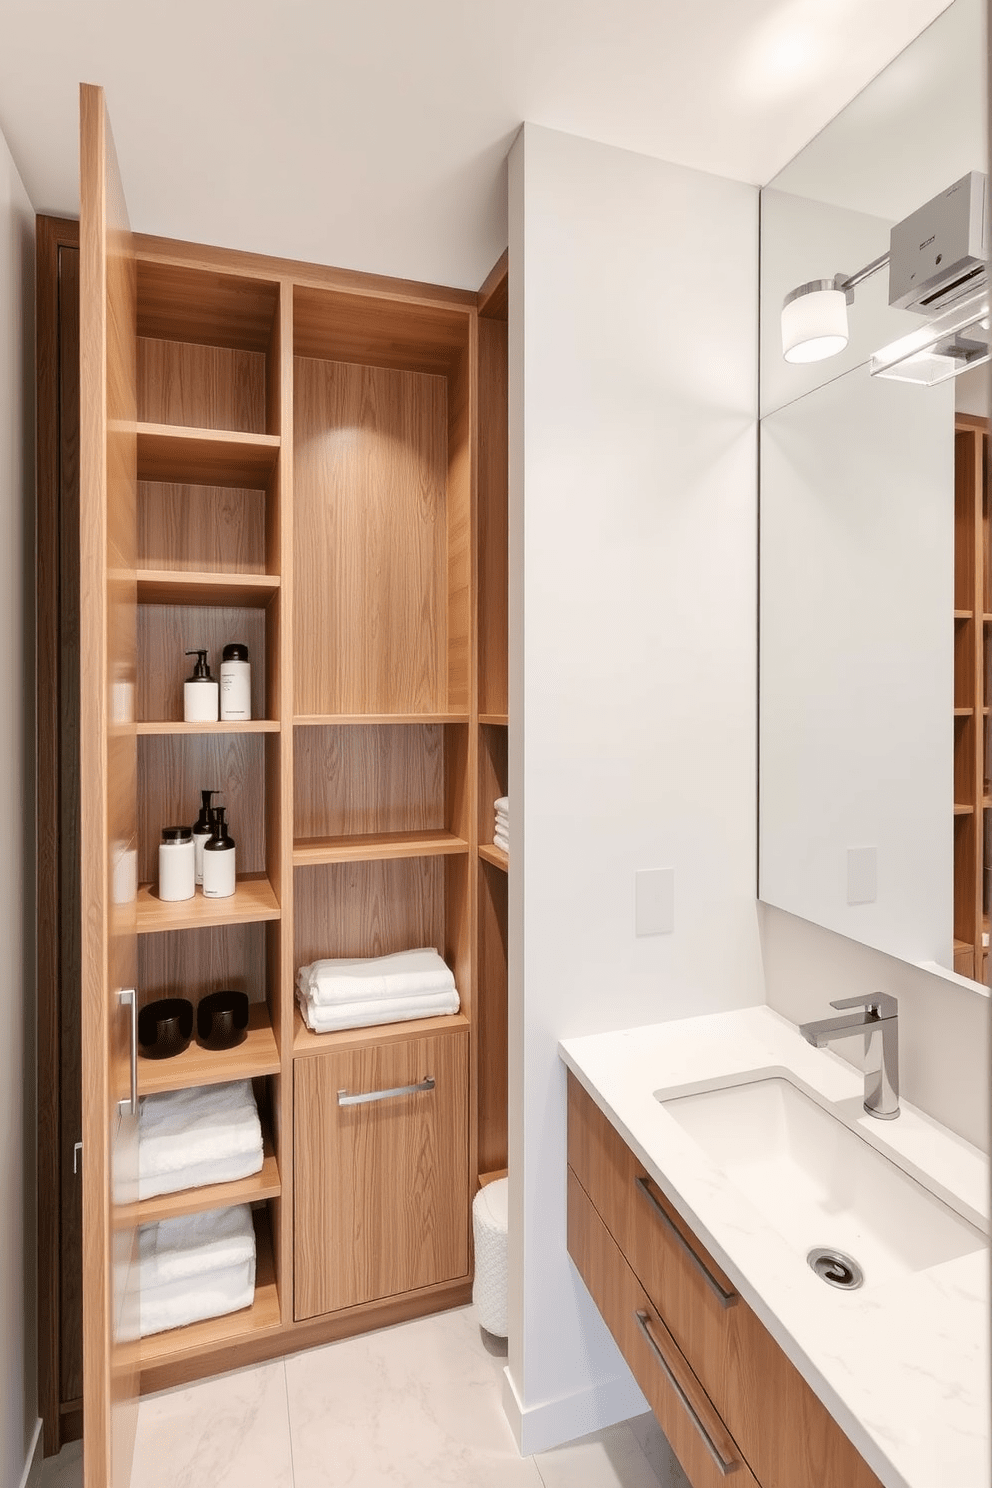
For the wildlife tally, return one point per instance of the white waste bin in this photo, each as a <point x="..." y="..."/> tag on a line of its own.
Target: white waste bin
<point x="489" y="1221"/>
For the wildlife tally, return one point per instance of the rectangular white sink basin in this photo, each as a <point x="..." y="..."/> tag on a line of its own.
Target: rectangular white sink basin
<point x="818" y="1183"/>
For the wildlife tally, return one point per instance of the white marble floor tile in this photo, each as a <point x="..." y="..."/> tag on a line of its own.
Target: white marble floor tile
<point x="654" y="1444"/>
<point x="65" y="1470"/>
<point x="415" y="1406"/>
<point x="231" y="1431"/>
<point x="610" y="1458"/>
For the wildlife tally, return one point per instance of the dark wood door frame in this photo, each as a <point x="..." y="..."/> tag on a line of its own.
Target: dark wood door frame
<point x="57" y="303"/>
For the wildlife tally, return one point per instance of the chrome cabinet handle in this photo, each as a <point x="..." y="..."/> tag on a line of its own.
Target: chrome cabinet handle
<point x="129" y="998"/>
<point x="725" y="1298"/>
<point x="726" y="1465"/>
<point x="344" y="1099"/>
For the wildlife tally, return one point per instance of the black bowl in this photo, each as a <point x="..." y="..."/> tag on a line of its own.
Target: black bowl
<point x="165" y="1027"/>
<point x="222" y="1020"/>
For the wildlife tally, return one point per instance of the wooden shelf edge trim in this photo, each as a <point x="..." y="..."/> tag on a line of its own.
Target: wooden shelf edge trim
<point x="490" y="853"/>
<point x="307" y="1044"/>
<point x="186" y="434"/>
<point x="256" y="726"/>
<point x="256" y="1056"/>
<point x="352" y="720"/>
<point x="264" y="1184"/>
<point x="372" y="847"/>
<point x="254" y="899"/>
<point x="494" y="720"/>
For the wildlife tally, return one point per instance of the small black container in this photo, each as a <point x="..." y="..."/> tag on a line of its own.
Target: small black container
<point x="165" y="1027"/>
<point x="222" y="1020"/>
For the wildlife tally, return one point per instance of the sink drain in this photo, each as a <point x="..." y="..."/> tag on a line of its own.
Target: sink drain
<point x="836" y="1268"/>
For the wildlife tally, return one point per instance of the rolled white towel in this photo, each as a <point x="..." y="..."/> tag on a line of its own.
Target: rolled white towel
<point x="355" y="979"/>
<point x="198" y="1175"/>
<point x="205" y="1123"/>
<point x="326" y="1019"/>
<point x="193" y="1244"/>
<point x="215" y="1294"/>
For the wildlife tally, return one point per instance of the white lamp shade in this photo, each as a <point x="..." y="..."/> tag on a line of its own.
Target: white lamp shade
<point x="814" y="324"/>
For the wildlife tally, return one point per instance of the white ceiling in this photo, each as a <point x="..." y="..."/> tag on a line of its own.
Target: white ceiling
<point x="373" y="135"/>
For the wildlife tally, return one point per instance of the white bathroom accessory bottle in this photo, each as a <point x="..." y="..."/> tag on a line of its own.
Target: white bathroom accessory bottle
<point x="176" y="864"/>
<point x="218" y="860"/>
<point x="200" y="692"/>
<point x="203" y="830"/>
<point x="235" y="684"/>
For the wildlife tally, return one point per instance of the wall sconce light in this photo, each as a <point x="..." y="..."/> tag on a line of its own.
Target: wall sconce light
<point x="814" y="316"/>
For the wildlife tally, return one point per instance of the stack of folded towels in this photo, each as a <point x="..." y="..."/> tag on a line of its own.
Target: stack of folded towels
<point x="354" y="993"/>
<point x="195" y="1266"/>
<point x="501" y="836"/>
<point x="207" y="1134"/>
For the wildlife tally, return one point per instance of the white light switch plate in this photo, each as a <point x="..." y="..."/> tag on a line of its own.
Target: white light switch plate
<point x="862" y="875"/>
<point x="654" y="901"/>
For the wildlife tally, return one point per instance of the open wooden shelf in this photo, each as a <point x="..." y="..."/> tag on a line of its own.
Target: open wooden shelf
<point x="261" y="1185"/>
<point x="494" y="1177"/>
<point x="367" y="847"/>
<point x="258" y="1055"/>
<point x="963" y="809"/>
<point x="200" y="1338"/>
<point x="180" y="587"/>
<point x="211" y="457"/>
<point x="495" y="720"/>
<point x="254" y="726"/>
<point x="964" y="614"/>
<point x="253" y="899"/>
<point x="334" y="720"/>
<point x="306" y="1043"/>
<point x="490" y="853"/>
<point x="964" y="712"/>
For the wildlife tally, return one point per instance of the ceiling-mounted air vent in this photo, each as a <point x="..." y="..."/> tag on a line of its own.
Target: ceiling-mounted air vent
<point x="938" y="254"/>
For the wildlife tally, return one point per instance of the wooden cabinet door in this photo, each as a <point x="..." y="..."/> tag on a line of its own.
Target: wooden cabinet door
<point x="108" y="815"/>
<point x="381" y="1189"/>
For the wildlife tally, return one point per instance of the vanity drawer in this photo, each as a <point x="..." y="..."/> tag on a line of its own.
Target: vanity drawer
<point x="697" y="1434"/>
<point x="789" y="1438"/>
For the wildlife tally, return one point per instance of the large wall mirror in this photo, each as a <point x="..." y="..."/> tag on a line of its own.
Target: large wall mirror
<point x="876" y="583"/>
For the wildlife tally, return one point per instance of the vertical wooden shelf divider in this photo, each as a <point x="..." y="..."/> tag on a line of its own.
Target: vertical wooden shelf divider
<point x="971" y="646"/>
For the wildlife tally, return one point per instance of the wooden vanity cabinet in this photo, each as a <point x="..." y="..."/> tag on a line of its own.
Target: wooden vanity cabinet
<point x="727" y="1361"/>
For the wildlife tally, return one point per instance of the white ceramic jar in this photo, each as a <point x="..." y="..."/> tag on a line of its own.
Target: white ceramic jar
<point x="176" y="864"/>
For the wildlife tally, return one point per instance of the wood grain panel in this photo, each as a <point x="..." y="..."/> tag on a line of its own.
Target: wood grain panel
<point x="252" y="900"/>
<point x="205" y="305"/>
<point x="617" y="1293"/>
<point x="201" y="387"/>
<point x="108" y="484"/>
<point x="382" y="1190"/>
<point x="362" y="780"/>
<point x="387" y="333"/>
<point x="491" y="1018"/>
<point x="363" y="847"/>
<point x="307" y="1044"/>
<point x="493" y="297"/>
<point x="369" y="540"/>
<point x="218" y="457"/>
<point x="493" y="517"/>
<point x="201" y="528"/>
<point x="172" y="771"/>
<point x="745" y="1373"/>
<point x="191" y="963"/>
<point x="368" y="909"/>
<point x="167" y="632"/>
<point x="462" y="415"/>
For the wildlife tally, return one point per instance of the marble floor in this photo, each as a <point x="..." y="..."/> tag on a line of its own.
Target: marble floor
<point x="415" y="1406"/>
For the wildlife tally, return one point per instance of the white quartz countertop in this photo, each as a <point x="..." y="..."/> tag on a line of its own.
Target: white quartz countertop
<point x="903" y="1366"/>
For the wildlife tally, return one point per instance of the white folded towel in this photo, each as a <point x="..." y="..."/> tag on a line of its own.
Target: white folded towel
<point x="356" y="979"/>
<point x="192" y="1245"/>
<point x="501" y="840"/>
<point x="198" y="1175"/>
<point x="183" y="1128"/>
<point x="502" y="803"/>
<point x="327" y="1018"/>
<point x="190" y="1300"/>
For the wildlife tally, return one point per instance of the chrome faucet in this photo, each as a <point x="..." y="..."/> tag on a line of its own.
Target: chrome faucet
<point x="878" y="1020"/>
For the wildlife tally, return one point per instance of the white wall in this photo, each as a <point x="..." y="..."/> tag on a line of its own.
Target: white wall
<point x="857" y="659"/>
<point x="18" y="1343"/>
<point x="633" y="329"/>
<point x="943" y="1020"/>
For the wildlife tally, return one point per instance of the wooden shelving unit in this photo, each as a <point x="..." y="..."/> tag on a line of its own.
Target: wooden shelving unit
<point x="320" y="472"/>
<point x="972" y="657"/>
<point x="490" y="853"/>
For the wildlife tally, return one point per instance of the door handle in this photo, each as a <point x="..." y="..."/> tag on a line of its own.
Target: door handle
<point x="344" y="1099"/>
<point x="725" y="1298"/>
<point x="129" y="998"/>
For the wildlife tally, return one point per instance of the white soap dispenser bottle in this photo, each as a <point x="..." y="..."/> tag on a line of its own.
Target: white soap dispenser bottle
<point x="219" y="880"/>
<point x="200" y="693"/>
<point x="203" y="830"/>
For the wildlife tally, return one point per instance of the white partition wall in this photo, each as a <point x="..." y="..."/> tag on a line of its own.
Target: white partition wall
<point x="633" y="328"/>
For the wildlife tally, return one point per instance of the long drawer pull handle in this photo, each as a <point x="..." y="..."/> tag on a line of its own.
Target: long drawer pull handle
<point x="344" y="1099"/>
<point x="727" y="1465"/>
<point x="129" y="998"/>
<point x="725" y="1298"/>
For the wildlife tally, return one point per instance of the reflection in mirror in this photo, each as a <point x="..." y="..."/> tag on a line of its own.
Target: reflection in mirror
<point x="875" y="745"/>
